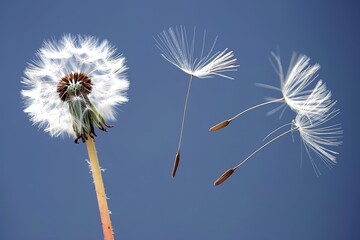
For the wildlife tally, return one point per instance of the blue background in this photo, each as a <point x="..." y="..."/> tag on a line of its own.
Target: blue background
<point x="46" y="191"/>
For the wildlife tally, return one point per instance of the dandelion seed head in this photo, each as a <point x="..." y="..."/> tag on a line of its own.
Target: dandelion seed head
<point x="71" y="80"/>
<point x="179" y="51"/>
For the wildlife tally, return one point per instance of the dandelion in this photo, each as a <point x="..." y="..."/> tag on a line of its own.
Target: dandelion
<point x="73" y="86"/>
<point x="314" y="135"/>
<point x="295" y="90"/>
<point x="175" y="48"/>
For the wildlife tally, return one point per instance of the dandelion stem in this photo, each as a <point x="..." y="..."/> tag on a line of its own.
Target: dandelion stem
<point x="263" y="146"/>
<point x="227" y="122"/>
<point x="177" y="157"/>
<point x="100" y="190"/>
<point x="184" y="113"/>
<point x="256" y="106"/>
<point x="225" y="175"/>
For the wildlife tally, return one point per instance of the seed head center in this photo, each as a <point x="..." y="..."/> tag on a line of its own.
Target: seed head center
<point x="74" y="85"/>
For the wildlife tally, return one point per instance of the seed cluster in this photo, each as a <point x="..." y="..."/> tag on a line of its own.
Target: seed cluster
<point x="74" y="89"/>
<point x="74" y="85"/>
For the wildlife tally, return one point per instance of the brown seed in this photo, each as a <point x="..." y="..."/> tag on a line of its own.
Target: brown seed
<point x="220" y="125"/>
<point x="176" y="163"/>
<point x="225" y="176"/>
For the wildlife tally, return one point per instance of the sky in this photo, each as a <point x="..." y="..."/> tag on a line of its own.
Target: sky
<point x="46" y="190"/>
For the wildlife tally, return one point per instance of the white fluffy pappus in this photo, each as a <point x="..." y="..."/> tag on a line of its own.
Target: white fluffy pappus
<point x="175" y="48"/>
<point x="319" y="137"/>
<point x="74" y="60"/>
<point x="295" y="86"/>
<point x="315" y="134"/>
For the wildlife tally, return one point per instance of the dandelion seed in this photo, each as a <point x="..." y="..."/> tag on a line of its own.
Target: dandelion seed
<point x="175" y="48"/>
<point x="176" y="163"/>
<point x="295" y="90"/>
<point x="72" y="87"/>
<point x="225" y="176"/>
<point x="313" y="133"/>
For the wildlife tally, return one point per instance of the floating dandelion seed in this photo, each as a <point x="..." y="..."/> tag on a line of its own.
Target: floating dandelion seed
<point x="175" y="48"/>
<point x="295" y="90"/>
<point x="314" y="135"/>
<point x="72" y="87"/>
